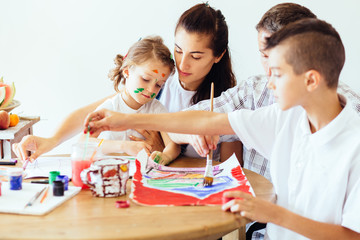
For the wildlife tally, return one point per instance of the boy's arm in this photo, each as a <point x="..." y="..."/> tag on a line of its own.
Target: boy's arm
<point x="260" y="210"/>
<point x="194" y="122"/>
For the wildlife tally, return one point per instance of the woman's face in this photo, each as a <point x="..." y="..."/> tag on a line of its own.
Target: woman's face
<point x="193" y="58"/>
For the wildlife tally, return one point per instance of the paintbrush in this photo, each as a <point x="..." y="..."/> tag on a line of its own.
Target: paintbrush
<point x="87" y="140"/>
<point x="95" y="151"/>
<point x="209" y="176"/>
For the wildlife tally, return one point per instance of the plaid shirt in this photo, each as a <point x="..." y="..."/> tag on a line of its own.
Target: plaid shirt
<point x="253" y="94"/>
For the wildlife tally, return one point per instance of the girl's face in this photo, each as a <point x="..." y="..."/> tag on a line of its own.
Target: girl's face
<point x="143" y="82"/>
<point x="289" y="88"/>
<point x="193" y="58"/>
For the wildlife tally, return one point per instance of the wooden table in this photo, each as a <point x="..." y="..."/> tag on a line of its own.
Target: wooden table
<point x="87" y="217"/>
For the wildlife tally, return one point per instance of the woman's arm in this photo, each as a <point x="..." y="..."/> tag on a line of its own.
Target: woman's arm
<point x="229" y="148"/>
<point x="70" y="126"/>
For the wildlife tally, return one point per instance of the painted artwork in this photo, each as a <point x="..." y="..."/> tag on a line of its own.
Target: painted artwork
<point x="159" y="185"/>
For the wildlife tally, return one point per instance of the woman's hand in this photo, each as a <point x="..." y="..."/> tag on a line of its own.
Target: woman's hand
<point x="160" y="158"/>
<point x="153" y="138"/>
<point x="133" y="148"/>
<point x="37" y="145"/>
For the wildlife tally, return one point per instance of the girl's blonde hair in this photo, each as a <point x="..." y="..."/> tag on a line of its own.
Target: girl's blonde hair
<point x="143" y="50"/>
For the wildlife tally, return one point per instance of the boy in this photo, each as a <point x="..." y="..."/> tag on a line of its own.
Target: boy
<point x="310" y="137"/>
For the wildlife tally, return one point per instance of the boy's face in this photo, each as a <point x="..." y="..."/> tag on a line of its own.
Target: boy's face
<point x="289" y="88"/>
<point x="144" y="82"/>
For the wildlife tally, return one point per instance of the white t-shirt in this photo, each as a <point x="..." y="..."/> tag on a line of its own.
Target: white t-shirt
<point x="175" y="98"/>
<point x="314" y="175"/>
<point x="117" y="104"/>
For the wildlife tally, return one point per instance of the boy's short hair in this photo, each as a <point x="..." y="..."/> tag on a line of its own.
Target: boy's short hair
<point x="281" y="15"/>
<point x="315" y="45"/>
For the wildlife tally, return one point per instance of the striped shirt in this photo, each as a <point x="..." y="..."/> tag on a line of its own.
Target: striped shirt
<point x="252" y="94"/>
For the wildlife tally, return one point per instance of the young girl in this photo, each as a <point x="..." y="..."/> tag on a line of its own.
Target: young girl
<point x="141" y="73"/>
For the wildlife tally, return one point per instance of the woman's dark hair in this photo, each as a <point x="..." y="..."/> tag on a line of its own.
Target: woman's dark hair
<point x="203" y="19"/>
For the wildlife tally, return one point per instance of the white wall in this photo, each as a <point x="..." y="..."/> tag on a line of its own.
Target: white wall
<point x="59" y="53"/>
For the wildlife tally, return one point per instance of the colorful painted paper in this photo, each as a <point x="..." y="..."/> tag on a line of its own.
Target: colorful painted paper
<point x="169" y="186"/>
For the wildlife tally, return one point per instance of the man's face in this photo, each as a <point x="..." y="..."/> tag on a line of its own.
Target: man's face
<point x="264" y="54"/>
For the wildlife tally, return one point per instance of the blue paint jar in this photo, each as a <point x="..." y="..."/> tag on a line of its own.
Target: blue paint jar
<point x="64" y="179"/>
<point x="15" y="178"/>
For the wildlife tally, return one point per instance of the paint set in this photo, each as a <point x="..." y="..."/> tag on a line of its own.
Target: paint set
<point x="14" y="176"/>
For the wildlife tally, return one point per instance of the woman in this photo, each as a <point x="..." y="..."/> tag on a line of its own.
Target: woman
<point x="201" y="57"/>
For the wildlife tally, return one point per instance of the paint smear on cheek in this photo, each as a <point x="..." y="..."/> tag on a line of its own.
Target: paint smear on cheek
<point x="163" y="74"/>
<point x="138" y="90"/>
<point x="155" y="71"/>
<point x="153" y="95"/>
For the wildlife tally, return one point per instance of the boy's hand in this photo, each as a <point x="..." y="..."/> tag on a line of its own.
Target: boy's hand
<point x="133" y="148"/>
<point x="160" y="158"/>
<point x="251" y="207"/>
<point x="104" y="120"/>
<point x="202" y="144"/>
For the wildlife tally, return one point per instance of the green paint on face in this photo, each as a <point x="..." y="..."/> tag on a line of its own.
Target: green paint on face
<point x="153" y="95"/>
<point x="138" y="90"/>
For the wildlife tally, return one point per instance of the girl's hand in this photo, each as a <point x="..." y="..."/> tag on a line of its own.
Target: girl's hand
<point x="153" y="138"/>
<point x="37" y="145"/>
<point x="251" y="207"/>
<point x="202" y="144"/>
<point x="133" y="148"/>
<point x="104" y="120"/>
<point x="160" y="158"/>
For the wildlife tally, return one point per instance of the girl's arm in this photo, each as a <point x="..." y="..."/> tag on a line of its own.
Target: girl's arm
<point x="117" y="146"/>
<point x="170" y="152"/>
<point x="260" y="210"/>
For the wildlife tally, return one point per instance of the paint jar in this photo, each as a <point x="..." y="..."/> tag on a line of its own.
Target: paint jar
<point x="15" y="178"/>
<point x="58" y="188"/>
<point x="65" y="180"/>
<point x="53" y="175"/>
<point x="83" y="154"/>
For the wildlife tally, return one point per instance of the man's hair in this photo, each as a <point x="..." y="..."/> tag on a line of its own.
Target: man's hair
<point x="313" y="45"/>
<point x="281" y="15"/>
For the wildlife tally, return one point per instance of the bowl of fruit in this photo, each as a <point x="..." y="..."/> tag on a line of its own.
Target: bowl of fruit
<point x="7" y="93"/>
